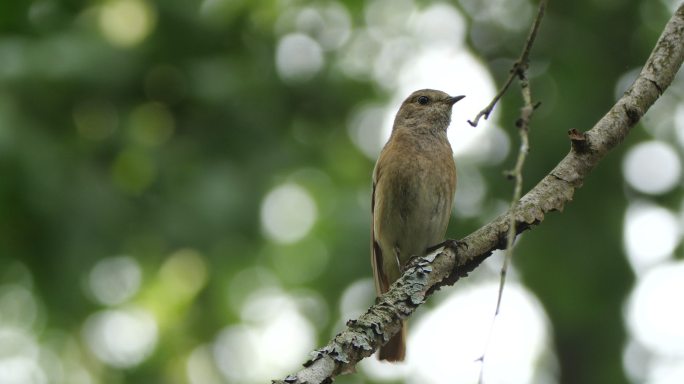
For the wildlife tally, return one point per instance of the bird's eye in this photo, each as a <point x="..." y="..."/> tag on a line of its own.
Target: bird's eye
<point x="423" y="100"/>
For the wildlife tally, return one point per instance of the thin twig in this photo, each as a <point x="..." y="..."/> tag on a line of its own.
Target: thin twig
<point x="523" y="124"/>
<point x="516" y="173"/>
<point x="519" y="67"/>
<point x="519" y="70"/>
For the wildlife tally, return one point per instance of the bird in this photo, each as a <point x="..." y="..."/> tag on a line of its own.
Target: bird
<point x="414" y="184"/>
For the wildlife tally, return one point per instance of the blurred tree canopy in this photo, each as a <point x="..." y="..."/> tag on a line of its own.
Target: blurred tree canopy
<point x="142" y="142"/>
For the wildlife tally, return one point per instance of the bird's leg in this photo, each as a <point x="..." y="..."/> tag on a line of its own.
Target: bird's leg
<point x="396" y="256"/>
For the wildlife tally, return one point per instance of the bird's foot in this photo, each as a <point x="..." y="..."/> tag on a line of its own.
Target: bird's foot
<point x="408" y="263"/>
<point x="458" y="246"/>
<point x="450" y="243"/>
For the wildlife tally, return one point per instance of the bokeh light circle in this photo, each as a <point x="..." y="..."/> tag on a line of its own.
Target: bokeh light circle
<point x="269" y="318"/>
<point x="298" y="57"/>
<point x="287" y="213"/>
<point x="650" y="235"/>
<point x="444" y="345"/>
<point x="126" y="22"/>
<point x="652" y="167"/>
<point x="654" y="317"/>
<point x="121" y="338"/>
<point x="114" y="280"/>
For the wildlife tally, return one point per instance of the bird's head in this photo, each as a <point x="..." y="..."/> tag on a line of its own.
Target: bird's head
<point x="426" y="107"/>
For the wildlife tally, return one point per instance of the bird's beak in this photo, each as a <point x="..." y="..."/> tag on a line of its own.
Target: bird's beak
<point x="453" y="99"/>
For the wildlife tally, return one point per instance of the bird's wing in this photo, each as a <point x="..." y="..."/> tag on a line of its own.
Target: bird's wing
<point x="380" y="277"/>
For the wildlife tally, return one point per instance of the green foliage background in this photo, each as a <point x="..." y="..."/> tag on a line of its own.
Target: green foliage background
<point x="147" y="187"/>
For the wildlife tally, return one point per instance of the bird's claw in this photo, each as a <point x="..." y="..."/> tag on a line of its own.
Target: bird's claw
<point x="406" y="265"/>
<point x="450" y="243"/>
<point x="456" y="244"/>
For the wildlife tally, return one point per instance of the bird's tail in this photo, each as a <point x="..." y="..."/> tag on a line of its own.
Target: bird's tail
<point x="395" y="349"/>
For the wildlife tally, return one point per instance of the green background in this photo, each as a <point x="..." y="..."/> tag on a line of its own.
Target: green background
<point x="147" y="188"/>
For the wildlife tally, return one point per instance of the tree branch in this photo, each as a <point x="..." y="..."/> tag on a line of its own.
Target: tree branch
<point x="448" y="264"/>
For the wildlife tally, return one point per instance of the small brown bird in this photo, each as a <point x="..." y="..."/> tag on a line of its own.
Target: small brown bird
<point x="414" y="182"/>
